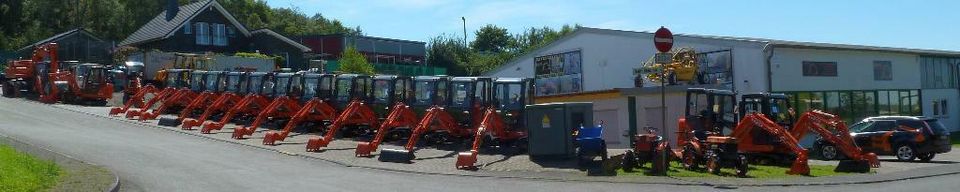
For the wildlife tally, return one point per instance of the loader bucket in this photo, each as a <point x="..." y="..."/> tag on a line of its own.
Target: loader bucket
<point x="116" y="110"/>
<point x="872" y="159"/>
<point x="395" y="155"/>
<point x="239" y="132"/>
<point x="271" y="138"/>
<point x="315" y="143"/>
<point x="467" y="160"/>
<point x="189" y="123"/>
<point x="208" y="127"/>
<point x="364" y="149"/>
<point x="172" y="122"/>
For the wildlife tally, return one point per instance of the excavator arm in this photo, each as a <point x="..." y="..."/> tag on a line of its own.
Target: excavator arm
<point x="181" y="97"/>
<point x="400" y="115"/>
<point x="166" y="92"/>
<point x="758" y="120"/>
<point x="433" y="114"/>
<point x="241" y="105"/>
<point x="817" y="121"/>
<point x="356" y="112"/>
<point x="218" y="105"/>
<point x="136" y="100"/>
<point x="271" y="109"/>
<point x="493" y="124"/>
<point x="315" y="109"/>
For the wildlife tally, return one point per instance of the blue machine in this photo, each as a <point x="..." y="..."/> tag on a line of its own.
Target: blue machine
<point x="590" y="144"/>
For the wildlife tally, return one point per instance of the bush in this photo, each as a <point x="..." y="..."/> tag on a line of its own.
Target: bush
<point x="277" y="60"/>
<point x="354" y="62"/>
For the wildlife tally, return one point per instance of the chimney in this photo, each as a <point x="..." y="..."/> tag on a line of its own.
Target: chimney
<point x="172" y="9"/>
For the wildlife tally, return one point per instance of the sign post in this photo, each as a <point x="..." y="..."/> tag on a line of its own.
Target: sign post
<point x="663" y="40"/>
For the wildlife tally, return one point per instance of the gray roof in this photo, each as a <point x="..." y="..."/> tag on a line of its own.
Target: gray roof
<point x="161" y="28"/>
<point x="281" y="38"/>
<point x="60" y="36"/>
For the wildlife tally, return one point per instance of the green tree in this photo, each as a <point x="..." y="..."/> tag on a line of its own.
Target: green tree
<point x="354" y="62"/>
<point x="448" y="52"/>
<point x="491" y="39"/>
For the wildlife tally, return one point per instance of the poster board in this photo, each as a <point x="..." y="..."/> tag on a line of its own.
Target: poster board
<point x="560" y="73"/>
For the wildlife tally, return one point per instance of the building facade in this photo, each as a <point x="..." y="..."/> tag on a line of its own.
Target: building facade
<point x="849" y="80"/>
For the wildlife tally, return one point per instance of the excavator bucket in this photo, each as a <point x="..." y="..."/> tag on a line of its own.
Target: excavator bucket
<point x="131" y="114"/>
<point x="239" y="132"/>
<point x="271" y="137"/>
<point x="189" y="123"/>
<point x="467" y="160"/>
<point x="858" y="166"/>
<point x="394" y="155"/>
<point x="116" y="110"/>
<point x="166" y="121"/>
<point x="315" y="143"/>
<point x="210" y="126"/>
<point x="364" y="149"/>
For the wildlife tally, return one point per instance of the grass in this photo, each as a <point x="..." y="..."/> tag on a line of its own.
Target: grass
<point x="755" y="171"/>
<point x="22" y="172"/>
<point x="955" y="139"/>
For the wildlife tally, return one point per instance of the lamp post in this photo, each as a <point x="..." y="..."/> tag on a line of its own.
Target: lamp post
<point x="464" y="29"/>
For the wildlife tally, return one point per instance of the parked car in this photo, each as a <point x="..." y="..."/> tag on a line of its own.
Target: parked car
<point x="905" y="137"/>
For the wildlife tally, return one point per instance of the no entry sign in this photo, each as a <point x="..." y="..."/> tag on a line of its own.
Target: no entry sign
<point x="663" y="39"/>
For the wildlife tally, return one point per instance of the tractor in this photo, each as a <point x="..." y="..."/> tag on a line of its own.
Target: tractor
<point x="352" y="94"/>
<point x="503" y="122"/>
<point x="455" y="104"/>
<point x="204" y="94"/>
<point x="315" y="109"/>
<point x="233" y="84"/>
<point x="708" y="114"/>
<point x="647" y="147"/>
<point x="258" y="89"/>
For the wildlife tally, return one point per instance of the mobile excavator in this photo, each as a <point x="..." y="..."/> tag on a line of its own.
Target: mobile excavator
<point x="456" y="109"/>
<point x="213" y="84"/>
<point x="234" y="85"/>
<point x="316" y="109"/>
<point x="259" y="89"/>
<point x="285" y="103"/>
<point x="504" y="122"/>
<point x="51" y="80"/>
<point x="175" y="80"/>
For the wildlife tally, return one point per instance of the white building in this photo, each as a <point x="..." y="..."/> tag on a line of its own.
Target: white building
<point x="850" y="80"/>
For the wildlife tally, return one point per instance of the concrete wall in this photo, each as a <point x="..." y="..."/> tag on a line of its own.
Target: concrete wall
<point x="649" y="113"/>
<point x="854" y="70"/>
<point x="952" y="118"/>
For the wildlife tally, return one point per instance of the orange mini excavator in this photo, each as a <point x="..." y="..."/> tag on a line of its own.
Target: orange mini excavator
<point x="504" y="122"/>
<point x="356" y="115"/>
<point x="175" y="80"/>
<point x="234" y="85"/>
<point x="259" y="89"/>
<point x="180" y="99"/>
<point x="206" y="93"/>
<point x="285" y="103"/>
<point x="316" y="108"/>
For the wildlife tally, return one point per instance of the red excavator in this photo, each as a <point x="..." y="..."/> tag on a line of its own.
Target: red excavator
<point x="285" y="103"/>
<point x="456" y="110"/>
<point x="210" y="87"/>
<point x="259" y="90"/>
<point x="504" y="122"/>
<point x="235" y="85"/>
<point x="356" y="115"/>
<point x="176" y="79"/>
<point x="44" y="74"/>
<point x="316" y="108"/>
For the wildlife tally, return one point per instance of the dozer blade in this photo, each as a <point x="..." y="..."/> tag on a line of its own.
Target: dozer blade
<point x="271" y="137"/>
<point x="364" y="149"/>
<point x="315" y="143"/>
<point x="467" y="160"/>
<point x="853" y="166"/>
<point x="172" y="122"/>
<point x="189" y="123"/>
<point x="116" y="110"/>
<point x="396" y="156"/>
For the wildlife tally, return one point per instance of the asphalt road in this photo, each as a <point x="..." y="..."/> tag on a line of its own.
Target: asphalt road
<point x="149" y="159"/>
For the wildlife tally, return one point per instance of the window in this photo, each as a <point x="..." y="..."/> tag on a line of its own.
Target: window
<point x="943" y="107"/>
<point x="187" y="29"/>
<point x="939" y="73"/>
<point x="883" y="126"/>
<point x="219" y="35"/>
<point x="822" y="69"/>
<point x="882" y="71"/>
<point x="203" y="33"/>
<point x="854" y="105"/>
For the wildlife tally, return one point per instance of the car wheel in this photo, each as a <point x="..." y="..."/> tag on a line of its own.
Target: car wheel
<point x="905" y="152"/>
<point x="828" y="152"/>
<point x="926" y="157"/>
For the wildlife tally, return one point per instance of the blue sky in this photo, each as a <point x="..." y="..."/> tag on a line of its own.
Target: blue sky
<point x="909" y="24"/>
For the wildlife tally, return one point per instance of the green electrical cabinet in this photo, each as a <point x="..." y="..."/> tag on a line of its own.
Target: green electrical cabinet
<point x="550" y="128"/>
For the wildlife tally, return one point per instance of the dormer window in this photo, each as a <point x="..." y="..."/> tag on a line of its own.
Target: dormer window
<point x="187" y="29"/>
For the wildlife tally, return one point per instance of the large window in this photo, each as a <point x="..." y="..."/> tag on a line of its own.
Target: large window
<point x="853" y="106"/>
<point x="823" y="69"/>
<point x="939" y="73"/>
<point x="219" y="35"/>
<point x="203" y="33"/>
<point x="882" y="70"/>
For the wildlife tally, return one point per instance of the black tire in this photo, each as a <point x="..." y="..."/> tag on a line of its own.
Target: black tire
<point x="7" y="89"/>
<point x="926" y="157"/>
<point x="689" y="159"/>
<point x="742" y="166"/>
<point x="713" y="164"/>
<point x="629" y="161"/>
<point x="828" y="152"/>
<point x="905" y="152"/>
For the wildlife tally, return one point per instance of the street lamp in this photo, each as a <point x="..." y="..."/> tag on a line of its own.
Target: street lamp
<point x="464" y="29"/>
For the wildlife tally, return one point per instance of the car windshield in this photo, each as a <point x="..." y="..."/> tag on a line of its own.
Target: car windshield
<point x="936" y="126"/>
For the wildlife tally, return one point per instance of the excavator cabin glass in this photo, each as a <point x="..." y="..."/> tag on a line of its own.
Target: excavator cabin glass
<point x="775" y="106"/>
<point x="469" y="91"/>
<point x="351" y="86"/>
<point x="255" y="83"/>
<point x="213" y="81"/>
<point x="282" y="87"/>
<point x="196" y="80"/>
<point x="512" y="95"/>
<point x="428" y="91"/>
<point x="316" y="85"/>
<point x="710" y="110"/>
<point x="233" y="82"/>
<point x="90" y="77"/>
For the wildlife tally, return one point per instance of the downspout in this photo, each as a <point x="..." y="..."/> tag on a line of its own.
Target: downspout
<point x="768" y="53"/>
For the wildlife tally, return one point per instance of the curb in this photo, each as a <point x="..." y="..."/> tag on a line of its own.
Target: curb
<point x="680" y="181"/>
<point x="34" y="149"/>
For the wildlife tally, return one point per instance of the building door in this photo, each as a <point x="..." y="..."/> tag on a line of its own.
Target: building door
<point x="613" y="132"/>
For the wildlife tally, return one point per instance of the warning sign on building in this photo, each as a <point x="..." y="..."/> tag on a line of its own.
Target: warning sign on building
<point x="545" y="122"/>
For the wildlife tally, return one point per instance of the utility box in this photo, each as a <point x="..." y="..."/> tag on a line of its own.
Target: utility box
<point x="550" y="128"/>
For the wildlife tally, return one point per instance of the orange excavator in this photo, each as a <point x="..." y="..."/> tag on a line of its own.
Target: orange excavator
<point x="354" y="116"/>
<point x="234" y="83"/>
<point x="259" y="89"/>
<point x="285" y="103"/>
<point x="180" y="99"/>
<point x="456" y="108"/>
<point x="175" y="80"/>
<point x="53" y="80"/>
<point x="504" y="122"/>
<point x="206" y="93"/>
<point x="316" y="108"/>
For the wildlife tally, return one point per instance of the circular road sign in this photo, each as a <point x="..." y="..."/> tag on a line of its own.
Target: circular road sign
<point x="663" y="39"/>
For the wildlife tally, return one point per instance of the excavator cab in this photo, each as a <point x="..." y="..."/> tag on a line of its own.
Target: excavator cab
<point x="504" y="121"/>
<point x="317" y="85"/>
<point x="233" y="81"/>
<point x="468" y="97"/>
<point x="257" y="83"/>
<point x="287" y="84"/>
<point x="708" y="112"/>
<point x="511" y="96"/>
<point x="177" y="78"/>
<point x="91" y="77"/>
<point x="351" y="87"/>
<point x="214" y="81"/>
<point x="387" y="90"/>
<point x="197" y="81"/>
<point x="774" y="105"/>
<point x="429" y="91"/>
